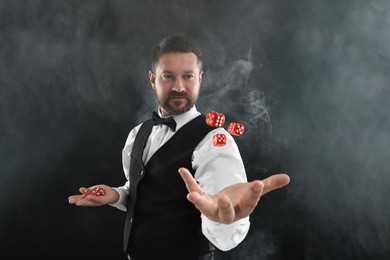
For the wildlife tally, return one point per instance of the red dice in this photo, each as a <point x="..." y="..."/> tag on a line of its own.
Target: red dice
<point x="219" y="140"/>
<point x="95" y="191"/>
<point x="215" y="119"/>
<point x="236" y="128"/>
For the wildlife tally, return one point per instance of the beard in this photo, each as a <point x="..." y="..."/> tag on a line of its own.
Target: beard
<point x="175" y="106"/>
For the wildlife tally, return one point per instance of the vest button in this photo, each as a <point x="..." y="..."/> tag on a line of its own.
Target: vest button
<point x="142" y="172"/>
<point x="131" y="220"/>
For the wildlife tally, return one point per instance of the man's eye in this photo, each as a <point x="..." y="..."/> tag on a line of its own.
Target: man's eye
<point x="188" y="76"/>
<point x="167" y="77"/>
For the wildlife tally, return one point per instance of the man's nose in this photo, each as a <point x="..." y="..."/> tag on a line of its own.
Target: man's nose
<point x="178" y="85"/>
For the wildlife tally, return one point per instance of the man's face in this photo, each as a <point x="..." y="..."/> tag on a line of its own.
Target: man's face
<point x="176" y="82"/>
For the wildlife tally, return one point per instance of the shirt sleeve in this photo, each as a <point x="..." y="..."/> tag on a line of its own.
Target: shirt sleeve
<point x="123" y="191"/>
<point x="216" y="168"/>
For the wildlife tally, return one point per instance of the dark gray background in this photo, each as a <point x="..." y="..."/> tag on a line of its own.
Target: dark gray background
<point x="309" y="79"/>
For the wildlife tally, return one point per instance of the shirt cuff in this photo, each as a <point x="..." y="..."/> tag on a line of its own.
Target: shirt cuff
<point x="121" y="204"/>
<point x="225" y="236"/>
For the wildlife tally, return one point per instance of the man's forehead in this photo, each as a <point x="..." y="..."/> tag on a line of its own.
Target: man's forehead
<point x="178" y="55"/>
<point x="183" y="62"/>
<point x="174" y="72"/>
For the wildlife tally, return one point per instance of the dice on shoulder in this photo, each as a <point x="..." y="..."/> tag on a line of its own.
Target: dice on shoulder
<point x="95" y="191"/>
<point x="215" y="119"/>
<point x="236" y="128"/>
<point x="219" y="140"/>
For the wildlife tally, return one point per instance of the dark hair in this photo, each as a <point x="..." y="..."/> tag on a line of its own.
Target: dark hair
<point x="172" y="44"/>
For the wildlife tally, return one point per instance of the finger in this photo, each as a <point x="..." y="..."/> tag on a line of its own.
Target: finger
<point x="85" y="202"/>
<point x="257" y="189"/>
<point x="275" y="182"/>
<point x="251" y="197"/>
<point x="73" y="199"/>
<point x="190" y="182"/>
<point x="90" y="200"/>
<point x="100" y="200"/>
<point x="225" y="210"/>
<point x="204" y="204"/>
<point x="79" y="200"/>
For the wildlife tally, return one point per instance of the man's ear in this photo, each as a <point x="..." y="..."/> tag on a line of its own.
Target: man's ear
<point x="200" y="77"/>
<point x="152" y="78"/>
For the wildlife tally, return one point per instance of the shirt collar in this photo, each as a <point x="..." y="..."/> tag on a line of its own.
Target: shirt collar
<point x="183" y="118"/>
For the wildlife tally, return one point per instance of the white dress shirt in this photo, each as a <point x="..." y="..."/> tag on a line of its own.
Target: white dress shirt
<point x="215" y="168"/>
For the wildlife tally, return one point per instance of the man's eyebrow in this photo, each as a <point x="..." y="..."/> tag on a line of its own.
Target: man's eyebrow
<point x="185" y="72"/>
<point x="167" y="71"/>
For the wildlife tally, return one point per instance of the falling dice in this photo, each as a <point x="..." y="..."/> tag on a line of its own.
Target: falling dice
<point x="236" y="128"/>
<point x="219" y="140"/>
<point x="94" y="191"/>
<point x="215" y="119"/>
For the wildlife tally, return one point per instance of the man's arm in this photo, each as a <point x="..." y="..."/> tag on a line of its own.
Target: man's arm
<point x="217" y="168"/>
<point x="116" y="197"/>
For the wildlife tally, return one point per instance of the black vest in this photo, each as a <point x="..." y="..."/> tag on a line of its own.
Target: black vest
<point x="160" y="221"/>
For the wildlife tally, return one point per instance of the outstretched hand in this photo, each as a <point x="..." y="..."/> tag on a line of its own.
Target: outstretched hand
<point x="111" y="196"/>
<point x="233" y="202"/>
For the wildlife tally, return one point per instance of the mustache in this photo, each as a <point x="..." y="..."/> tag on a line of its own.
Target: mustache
<point x="177" y="94"/>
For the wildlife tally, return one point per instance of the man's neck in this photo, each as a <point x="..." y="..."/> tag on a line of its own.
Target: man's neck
<point x="166" y="114"/>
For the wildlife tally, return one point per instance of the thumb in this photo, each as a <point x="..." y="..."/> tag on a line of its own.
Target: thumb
<point x="275" y="182"/>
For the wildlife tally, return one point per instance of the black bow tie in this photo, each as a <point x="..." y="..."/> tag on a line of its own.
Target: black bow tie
<point x="169" y="121"/>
